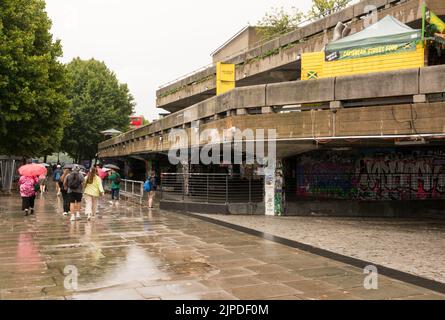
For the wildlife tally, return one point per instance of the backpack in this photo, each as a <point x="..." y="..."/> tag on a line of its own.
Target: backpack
<point x="147" y="186"/>
<point x="75" y="182"/>
<point x="57" y="176"/>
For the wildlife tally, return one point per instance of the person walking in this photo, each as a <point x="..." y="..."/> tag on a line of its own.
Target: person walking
<point x="57" y="174"/>
<point x="115" y="179"/>
<point x="43" y="183"/>
<point x="64" y="192"/>
<point x="153" y="187"/>
<point x="103" y="174"/>
<point x="93" y="190"/>
<point x="73" y="183"/>
<point x="28" y="187"/>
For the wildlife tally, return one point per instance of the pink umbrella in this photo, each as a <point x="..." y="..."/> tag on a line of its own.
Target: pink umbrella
<point x="32" y="170"/>
<point x="102" y="173"/>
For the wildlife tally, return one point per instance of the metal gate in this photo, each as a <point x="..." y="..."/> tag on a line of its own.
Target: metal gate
<point x="211" y="188"/>
<point x="8" y="169"/>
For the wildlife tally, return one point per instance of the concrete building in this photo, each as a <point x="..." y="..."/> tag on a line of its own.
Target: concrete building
<point x="369" y="144"/>
<point x="244" y="40"/>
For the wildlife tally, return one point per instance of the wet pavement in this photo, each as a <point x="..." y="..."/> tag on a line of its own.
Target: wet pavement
<point x="414" y="245"/>
<point x="135" y="253"/>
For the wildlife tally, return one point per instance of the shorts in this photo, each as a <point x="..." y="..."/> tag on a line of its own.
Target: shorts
<point x="75" y="197"/>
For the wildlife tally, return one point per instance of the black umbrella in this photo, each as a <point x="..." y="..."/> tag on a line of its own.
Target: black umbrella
<point x="112" y="166"/>
<point x="71" y="165"/>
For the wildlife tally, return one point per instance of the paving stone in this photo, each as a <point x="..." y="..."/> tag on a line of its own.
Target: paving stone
<point x="232" y="282"/>
<point x="127" y="294"/>
<point x="279" y="277"/>
<point x="267" y="268"/>
<point x="262" y="291"/>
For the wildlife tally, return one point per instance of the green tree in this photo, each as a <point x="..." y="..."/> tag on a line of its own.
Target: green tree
<point x="33" y="104"/>
<point x="98" y="102"/>
<point x="145" y="122"/>
<point x="324" y="8"/>
<point x="279" y="22"/>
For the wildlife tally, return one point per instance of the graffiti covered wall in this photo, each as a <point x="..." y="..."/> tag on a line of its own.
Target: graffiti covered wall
<point x="372" y="174"/>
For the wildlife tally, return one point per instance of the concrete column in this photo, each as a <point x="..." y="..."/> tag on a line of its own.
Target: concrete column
<point x="269" y="191"/>
<point x="185" y="170"/>
<point x="279" y="188"/>
<point x="274" y="188"/>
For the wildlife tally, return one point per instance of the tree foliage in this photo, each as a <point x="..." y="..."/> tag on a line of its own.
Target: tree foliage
<point x="33" y="105"/>
<point x="279" y="22"/>
<point x="145" y="122"/>
<point x="98" y="102"/>
<point x="324" y="8"/>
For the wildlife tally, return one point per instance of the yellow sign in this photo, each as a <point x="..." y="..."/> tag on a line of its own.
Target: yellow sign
<point x="225" y="77"/>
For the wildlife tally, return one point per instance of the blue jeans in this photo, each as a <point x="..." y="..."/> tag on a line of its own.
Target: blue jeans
<point x="115" y="194"/>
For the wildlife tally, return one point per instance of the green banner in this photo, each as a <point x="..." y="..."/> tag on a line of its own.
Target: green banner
<point x="370" y="51"/>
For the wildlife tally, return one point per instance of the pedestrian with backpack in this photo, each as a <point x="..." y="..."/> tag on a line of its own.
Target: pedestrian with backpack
<point x="115" y="179"/>
<point x="28" y="188"/>
<point x="64" y="191"/>
<point x="150" y="186"/>
<point x="74" y="182"/>
<point x="56" y="178"/>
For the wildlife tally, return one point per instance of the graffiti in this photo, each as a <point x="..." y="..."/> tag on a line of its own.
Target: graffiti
<point x="373" y="174"/>
<point x="279" y="188"/>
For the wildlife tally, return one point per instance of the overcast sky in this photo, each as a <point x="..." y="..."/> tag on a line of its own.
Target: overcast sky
<point x="148" y="43"/>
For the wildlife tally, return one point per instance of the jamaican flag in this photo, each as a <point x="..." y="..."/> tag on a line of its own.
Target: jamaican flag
<point x="435" y="24"/>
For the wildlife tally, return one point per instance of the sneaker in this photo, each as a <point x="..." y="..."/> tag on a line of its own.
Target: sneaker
<point x="32" y="211"/>
<point x="78" y="216"/>
<point x="73" y="217"/>
<point x="26" y="212"/>
<point x="65" y="213"/>
<point x="88" y="217"/>
<point x="58" y="193"/>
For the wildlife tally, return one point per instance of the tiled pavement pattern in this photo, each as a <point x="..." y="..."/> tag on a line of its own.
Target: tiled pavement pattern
<point x="133" y="253"/>
<point x="412" y="245"/>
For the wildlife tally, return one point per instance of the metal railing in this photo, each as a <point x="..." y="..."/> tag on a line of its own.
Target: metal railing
<point x="211" y="188"/>
<point x="373" y="187"/>
<point x="129" y="189"/>
<point x="8" y="173"/>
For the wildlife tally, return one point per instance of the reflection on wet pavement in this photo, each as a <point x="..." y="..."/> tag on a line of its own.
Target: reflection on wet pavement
<point x="130" y="252"/>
